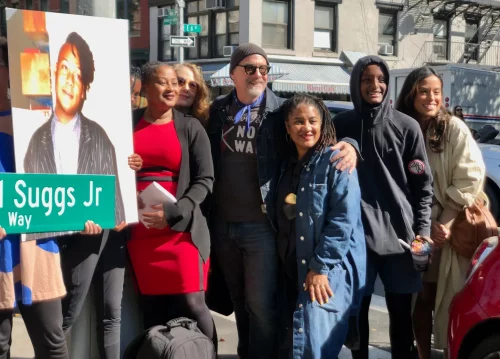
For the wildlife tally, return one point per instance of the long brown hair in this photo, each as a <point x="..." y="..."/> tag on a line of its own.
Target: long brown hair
<point x="438" y="125"/>
<point x="201" y="103"/>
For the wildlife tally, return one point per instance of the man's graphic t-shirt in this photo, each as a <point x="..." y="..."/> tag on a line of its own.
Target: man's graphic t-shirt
<point x="237" y="188"/>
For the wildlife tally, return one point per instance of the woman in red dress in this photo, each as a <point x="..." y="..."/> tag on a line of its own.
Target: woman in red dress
<point x="170" y="254"/>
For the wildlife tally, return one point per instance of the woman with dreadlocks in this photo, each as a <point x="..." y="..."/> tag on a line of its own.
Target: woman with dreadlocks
<point x="321" y="241"/>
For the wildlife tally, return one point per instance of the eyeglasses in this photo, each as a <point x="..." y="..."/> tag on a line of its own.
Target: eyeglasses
<point x="458" y="110"/>
<point x="192" y="85"/>
<point x="250" y="69"/>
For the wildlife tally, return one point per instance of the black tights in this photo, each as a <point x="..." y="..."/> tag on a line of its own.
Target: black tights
<point x="43" y="321"/>
<point x="159" y="309"/>
<point x="400" y="326"/>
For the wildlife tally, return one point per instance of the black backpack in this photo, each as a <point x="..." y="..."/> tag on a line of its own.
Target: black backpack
<point x="179" y="339"/>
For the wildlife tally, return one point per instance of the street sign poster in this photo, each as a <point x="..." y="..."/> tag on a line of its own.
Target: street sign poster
<point x="32" y="203"/>
<point x="65" y="121"/>
<point x="171" y="18"/>
<point x="182" y="41"/>
<point x="192" y="28"/>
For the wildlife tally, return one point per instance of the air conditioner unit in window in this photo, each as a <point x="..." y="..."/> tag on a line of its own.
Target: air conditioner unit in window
<point x="215" y="4"/>
<point x="162" y="11"/>
<point x="227" y="51"/>
<point x="386" y="50"/>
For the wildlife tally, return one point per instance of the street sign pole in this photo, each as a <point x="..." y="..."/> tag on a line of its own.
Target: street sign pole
<point x="181" y="5"/>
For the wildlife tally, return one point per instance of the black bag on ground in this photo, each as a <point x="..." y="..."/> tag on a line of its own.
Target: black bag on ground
<point x="179" y="339"/>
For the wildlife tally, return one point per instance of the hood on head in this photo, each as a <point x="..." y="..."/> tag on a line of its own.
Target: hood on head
<point x="355" y="81"/>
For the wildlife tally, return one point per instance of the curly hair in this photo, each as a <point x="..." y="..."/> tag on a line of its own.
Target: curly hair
<point x="327" y="136"/>
<point x="80" y="48"/>
<point x="201" y="103"/>
<point x="405" y="104"/>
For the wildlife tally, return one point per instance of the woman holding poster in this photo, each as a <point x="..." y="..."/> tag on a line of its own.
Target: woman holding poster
<point x="173" y="240"/>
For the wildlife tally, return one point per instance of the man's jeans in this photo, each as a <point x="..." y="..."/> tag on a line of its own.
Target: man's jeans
<point x="247" y="255"/>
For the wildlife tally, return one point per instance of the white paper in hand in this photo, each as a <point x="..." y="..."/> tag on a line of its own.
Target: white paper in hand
<point x="152" y="195"/>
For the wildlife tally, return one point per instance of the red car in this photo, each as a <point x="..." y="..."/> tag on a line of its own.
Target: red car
<point x="474" y="327"/>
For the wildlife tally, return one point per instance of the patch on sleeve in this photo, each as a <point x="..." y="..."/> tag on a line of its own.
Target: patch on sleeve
<point x="416" y="167"/>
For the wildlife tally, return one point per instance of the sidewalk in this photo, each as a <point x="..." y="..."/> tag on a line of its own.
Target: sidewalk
<point x="226" y="330"/>
<point x="228" y="339"/>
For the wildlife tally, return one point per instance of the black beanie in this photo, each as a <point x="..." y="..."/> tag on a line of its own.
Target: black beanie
<point x="243" y="51"/>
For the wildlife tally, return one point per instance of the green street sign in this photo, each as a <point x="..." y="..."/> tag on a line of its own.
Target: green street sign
<point x="170" y="21"/>
<point x="171" y="18"/>
<point x="31" y="203"/>
<point x="192" y="28"/>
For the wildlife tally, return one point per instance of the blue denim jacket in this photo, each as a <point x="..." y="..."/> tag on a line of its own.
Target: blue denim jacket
<point x="330" y="240"/>
<point x="271" y="142"/>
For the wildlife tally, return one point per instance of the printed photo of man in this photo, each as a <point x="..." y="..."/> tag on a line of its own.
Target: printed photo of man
<point x="70" y="143"/>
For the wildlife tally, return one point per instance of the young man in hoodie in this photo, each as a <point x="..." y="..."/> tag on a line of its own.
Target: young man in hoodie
<point x="396" y="192"/>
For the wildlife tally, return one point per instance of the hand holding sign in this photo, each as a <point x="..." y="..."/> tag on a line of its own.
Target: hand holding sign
<point x="91" y="228"/>
<point x="135" y="162"/>
<point x="2" y="233"/>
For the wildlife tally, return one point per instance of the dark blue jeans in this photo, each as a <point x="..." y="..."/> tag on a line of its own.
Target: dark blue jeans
<point x="248" y="257"/>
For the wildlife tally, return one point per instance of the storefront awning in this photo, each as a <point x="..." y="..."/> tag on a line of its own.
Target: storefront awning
<point x="211" y="68"/>
<point x="312" y="78"/>
<point x="351" y="57"/>
<point x="222" y="77"/>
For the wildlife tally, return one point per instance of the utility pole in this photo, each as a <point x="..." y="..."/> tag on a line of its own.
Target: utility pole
<point x="181" y="4"/>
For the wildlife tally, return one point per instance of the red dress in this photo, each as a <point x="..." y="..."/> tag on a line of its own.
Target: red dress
<point x="164" y="261"/>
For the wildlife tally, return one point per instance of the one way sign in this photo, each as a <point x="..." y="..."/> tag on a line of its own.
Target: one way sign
<point x="182" y="41"/>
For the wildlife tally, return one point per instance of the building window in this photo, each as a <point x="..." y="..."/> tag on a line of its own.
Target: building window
<point x="219" y="28"/>
<point x="64" y="7"/>
<point x="3" y="22"/>
<point x="131" y="10"/>
<point x="472" y="38"/>
<point x="44" y="5"/>
<point x="387" y="30"/>
<point x="29" y="4"/>
<point x="325" y="29"/>
<point x="276" y="24"/>
<point x="441" y="38"/>
<point x="165" y="51"/>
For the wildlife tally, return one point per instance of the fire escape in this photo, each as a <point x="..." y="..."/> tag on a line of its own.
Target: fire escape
<point x="479" y="47"/>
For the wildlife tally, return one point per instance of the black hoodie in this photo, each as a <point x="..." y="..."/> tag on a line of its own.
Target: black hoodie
<point x="394" y="175"/>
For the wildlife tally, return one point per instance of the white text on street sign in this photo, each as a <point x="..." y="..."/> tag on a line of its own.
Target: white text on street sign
<point x="182" y="41"/>
<point x="192" y="28"/>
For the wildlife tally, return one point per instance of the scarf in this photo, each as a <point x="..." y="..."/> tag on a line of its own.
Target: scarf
<point x="247" y="108"/>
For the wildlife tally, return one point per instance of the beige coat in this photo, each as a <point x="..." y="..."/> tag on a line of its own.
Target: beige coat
<point x="458" y="174"/>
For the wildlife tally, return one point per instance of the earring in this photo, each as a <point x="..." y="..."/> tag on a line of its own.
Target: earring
<point x="287" y="138"/>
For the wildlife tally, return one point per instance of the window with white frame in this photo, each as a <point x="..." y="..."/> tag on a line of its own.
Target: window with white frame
<point x="276" y="20"/>
<point x="440" y="31"/>
<point x="387" y="31"/>
<point x="325" y="30"/>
